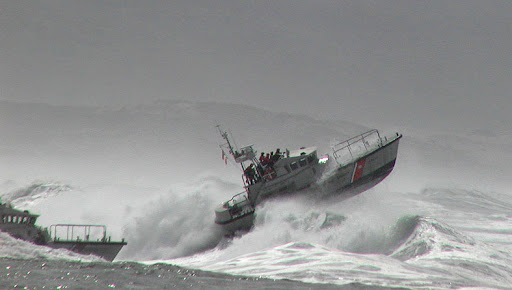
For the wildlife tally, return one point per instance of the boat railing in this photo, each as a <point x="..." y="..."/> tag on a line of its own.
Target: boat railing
<point x="67" y="232"/>
<point x="239" y="205"/>
<point x="267" y="175"/>
<point x="349" y="150"/>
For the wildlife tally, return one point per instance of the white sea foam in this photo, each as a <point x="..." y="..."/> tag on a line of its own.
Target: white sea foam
<point x="18" y="249"/>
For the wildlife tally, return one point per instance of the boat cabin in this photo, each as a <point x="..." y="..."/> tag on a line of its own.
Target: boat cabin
<point x="12" y="216"/>
<point x="297" y="159"/>
<point x="289" y="162"/>
<point x="293" y="170"/>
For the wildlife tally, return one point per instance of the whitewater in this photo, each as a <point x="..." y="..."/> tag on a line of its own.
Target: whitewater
<point x="153" y="174"/>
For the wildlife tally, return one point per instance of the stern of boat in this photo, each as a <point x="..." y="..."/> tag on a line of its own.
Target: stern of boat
<point x="235" y="214"/>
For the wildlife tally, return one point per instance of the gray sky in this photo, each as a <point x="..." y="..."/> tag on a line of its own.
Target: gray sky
<point x="432" y="64"/>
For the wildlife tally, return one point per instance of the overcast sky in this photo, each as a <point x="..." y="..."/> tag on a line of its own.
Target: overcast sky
<point x="433" y="64"/>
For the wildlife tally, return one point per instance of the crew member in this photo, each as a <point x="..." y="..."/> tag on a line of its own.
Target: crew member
<point x="250" y="174"/>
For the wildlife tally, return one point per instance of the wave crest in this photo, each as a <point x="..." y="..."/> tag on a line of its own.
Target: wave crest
<point x="428" y="235"/>
<point x="39" y="190"/>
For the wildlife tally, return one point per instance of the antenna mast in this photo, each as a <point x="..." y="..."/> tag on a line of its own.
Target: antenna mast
<point x="225" y="137"/>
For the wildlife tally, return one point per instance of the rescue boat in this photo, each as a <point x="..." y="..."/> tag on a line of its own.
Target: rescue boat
<point x="353" y="166"/>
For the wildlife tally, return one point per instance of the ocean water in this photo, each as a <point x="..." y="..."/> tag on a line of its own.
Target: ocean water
<point x="436" y="238"/>
<point x="441" y="220"/>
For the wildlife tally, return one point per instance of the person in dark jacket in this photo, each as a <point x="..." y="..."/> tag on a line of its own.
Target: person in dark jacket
<point x="250" y="174"/>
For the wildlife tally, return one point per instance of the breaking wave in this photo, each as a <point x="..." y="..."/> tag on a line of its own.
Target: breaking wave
<point x="29" y="195"/>
<point x="424" y="251"/>
<point x="178" y="223"/>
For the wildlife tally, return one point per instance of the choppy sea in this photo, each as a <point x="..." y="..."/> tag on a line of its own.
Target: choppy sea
<point x="153" y="175"/>
<point x="435" y="238"/>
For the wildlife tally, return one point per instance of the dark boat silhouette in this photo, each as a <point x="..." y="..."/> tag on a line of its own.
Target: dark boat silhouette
<point x="79" y="238"/>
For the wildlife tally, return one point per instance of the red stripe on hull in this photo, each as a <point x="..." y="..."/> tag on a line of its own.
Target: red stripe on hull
<point x="358" y="170"/>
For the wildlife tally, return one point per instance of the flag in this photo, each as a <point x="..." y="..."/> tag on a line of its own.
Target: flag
<point x="224" y="157"/>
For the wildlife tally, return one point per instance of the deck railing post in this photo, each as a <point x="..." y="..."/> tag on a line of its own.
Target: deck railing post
<point x="364" y="143"/>
<point x="350" y="151"/>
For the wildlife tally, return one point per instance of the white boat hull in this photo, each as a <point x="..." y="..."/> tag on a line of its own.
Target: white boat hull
<point x="361" y="174"/>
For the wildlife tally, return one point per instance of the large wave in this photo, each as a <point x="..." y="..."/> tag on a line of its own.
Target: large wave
<point x="26" y="196"/>
<point x="178" y="223"/>
<point x="421" y="252"/>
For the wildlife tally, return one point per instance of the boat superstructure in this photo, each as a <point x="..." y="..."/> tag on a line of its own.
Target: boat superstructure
<point x="291" y="172"/>
<point x="83" y="239"/>
<point x="354" y="166"/>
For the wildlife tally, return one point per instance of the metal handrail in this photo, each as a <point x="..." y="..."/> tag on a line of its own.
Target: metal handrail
<point x="354" y="140"/>
<point x="233" y="199"/>
<point x="234" y="209"/>
<point x="70" y="231"/>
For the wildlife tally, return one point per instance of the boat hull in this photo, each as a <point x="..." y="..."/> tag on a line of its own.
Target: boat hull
<point x="243" y="223"/>
<point x="363" y="173"/>
<point x="105" y="250"/>
<point x="21" y="225"/>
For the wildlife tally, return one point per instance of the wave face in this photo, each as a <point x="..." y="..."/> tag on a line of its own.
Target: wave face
<point x="416" y="252"/>
<point x="153" y="175"/>
<point x="378" y="238"/>
<point x="28" y="196"/>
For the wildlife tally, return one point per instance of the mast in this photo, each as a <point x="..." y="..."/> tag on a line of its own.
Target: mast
<point x="225" y="137"/>
<point x="232" y="151"/>
<point x="240" y="155"/>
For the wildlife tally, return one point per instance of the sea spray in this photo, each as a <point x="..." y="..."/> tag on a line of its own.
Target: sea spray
<point x="178" y="223"/>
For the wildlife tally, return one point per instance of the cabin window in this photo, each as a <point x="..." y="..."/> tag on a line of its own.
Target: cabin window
<point x="294" y="165"/>
<point x="311" y="158"/>
<point x="302" y="162"/>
